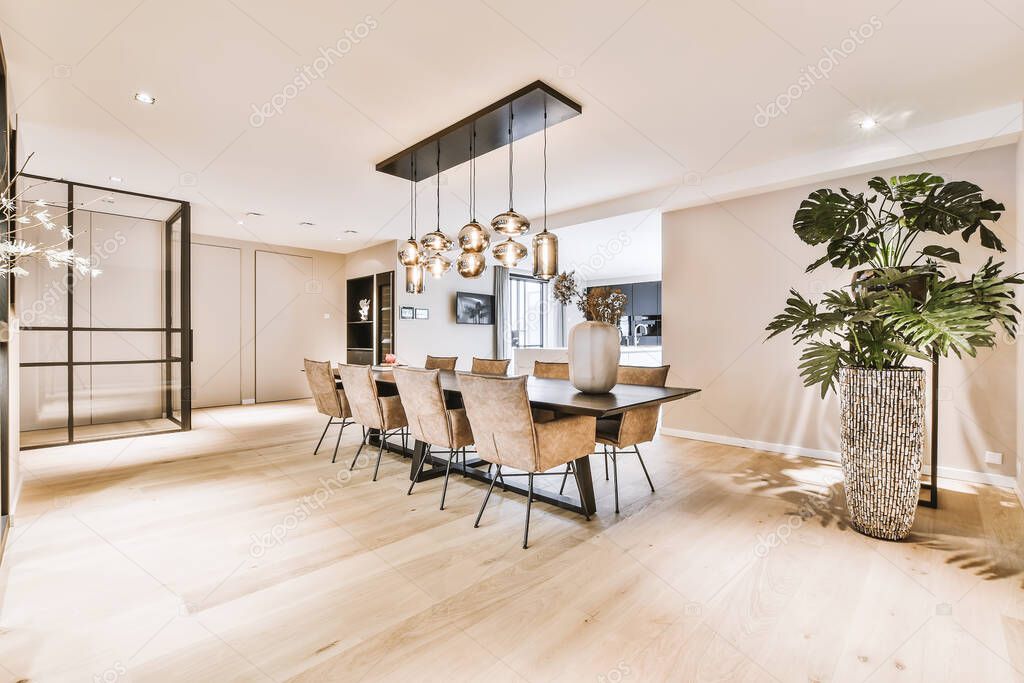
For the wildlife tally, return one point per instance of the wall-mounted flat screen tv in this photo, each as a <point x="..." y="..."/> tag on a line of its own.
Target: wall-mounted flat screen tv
<point x="474" y="309"/>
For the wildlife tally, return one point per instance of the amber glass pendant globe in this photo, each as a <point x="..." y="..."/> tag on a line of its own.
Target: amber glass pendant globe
<point x="414" y="279"/>
<point x="410" y="253"/>
<point x="471" y="264"/>
<point x="511" y="224"/>
<point x="474" y="238"/>
<point x="509" y="252"/>
<point x="436" y="242"/>
<point x="545" y="255"/>
<point x="437" y="265"/>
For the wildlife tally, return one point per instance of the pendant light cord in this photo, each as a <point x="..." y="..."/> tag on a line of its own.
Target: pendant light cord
<point x="472" y="176"/>
<point x="412" y="201"/>
<point x="438" y="186"/>
<point x="545" y="166"/>
<point x="510" y="145"/>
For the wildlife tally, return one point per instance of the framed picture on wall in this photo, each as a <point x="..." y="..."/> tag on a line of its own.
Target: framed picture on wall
<point x="406" y="313"/>
<point x="422" y="313"/>
<point x="474" y="309"/>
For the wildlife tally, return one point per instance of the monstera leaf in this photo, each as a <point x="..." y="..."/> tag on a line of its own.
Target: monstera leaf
<point x="827" y="215"/>
<point x="956" y="206"/>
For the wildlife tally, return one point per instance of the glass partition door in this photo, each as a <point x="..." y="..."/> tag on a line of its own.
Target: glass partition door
<point x="105" y="357"/>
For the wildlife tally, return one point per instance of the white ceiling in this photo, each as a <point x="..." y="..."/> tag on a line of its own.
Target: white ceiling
<point x="670" y="90"/>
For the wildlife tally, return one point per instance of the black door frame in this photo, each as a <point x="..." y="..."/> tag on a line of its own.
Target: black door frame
<point x="182" y="216"/>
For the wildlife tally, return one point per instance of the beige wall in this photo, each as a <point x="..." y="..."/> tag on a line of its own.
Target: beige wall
<point x="728" y="267"/>
<point x="323" y="308"/>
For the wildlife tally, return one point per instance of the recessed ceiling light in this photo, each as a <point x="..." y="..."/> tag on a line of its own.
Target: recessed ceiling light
<point x="350" y="231"/>
<point x="145" y="98"/>
<point x="253" y="213"/>
<point x="868" y="123"/>
<point x="108" y="200"/>
<point x="240" y="221"/>
<point x="307" y="224"/>
<point x="116" y="179"/>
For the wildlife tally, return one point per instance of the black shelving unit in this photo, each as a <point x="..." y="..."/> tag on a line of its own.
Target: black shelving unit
<point x="368" y="341"/>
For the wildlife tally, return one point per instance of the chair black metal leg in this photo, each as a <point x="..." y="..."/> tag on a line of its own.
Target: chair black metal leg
<point x="487" y="497"/>
<point x="360" y="450"/>
<point x="615" y="477"/>
<point x="380" y="452"/>
<point x="330" y="421"/>
<point x="338" y="442"/>
<point x="529" y="501"/>
<point x="565" y="478"/>
<point x="606" y="463"/>
<point x="640" y="458"/>
<point x="579" y="487"/>
<point x="447" y="470"/>
<point x="419" y="470"/>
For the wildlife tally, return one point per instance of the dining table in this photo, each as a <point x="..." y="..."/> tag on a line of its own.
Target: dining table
<point x="556" y="395"/>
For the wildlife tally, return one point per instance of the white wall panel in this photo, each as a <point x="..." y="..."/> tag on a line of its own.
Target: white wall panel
<point x="216" y="325"/>
<point x="285" y="312"/>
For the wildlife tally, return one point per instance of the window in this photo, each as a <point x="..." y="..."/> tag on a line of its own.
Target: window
<point x="528" y="299"/>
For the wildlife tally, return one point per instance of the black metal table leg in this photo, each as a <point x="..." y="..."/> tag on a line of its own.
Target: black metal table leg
<point x="586" y="484"/>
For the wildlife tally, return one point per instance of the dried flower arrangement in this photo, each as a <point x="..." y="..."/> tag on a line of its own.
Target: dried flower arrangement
<point x="600" y="304"/>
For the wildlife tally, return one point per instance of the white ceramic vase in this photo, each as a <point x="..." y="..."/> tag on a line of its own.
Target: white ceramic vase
<point x="593" y="357"/>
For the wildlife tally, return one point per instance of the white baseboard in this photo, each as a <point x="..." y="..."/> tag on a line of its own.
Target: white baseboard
<point x="1000" y="480"/>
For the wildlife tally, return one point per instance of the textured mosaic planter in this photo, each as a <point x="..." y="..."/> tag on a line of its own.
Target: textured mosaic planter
<point x="882" y="415"/>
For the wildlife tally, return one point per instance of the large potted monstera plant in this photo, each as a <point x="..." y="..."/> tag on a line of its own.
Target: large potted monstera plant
<point x="906" y="301"/>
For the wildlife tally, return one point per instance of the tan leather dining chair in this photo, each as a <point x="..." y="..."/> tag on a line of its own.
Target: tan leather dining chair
<point x="330" y="400"/>
<point x="507" y="436"/>
<point x="633" y="427"/>
<point x="371" y="410"/>
<point x="441" y="362"/>
<point x="430" y="420"/>
<point x="488" y="366"/>
<point x="547" y="370"/>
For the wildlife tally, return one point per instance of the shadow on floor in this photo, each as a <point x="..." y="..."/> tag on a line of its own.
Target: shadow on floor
<point x="955" y="529"/>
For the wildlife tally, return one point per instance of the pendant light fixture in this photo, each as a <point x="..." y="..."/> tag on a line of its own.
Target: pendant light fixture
<point x="510" y="223"/>
<point x="545" y="244"/>
<point x="473" y="238"/>
<point x="436" y="242"/>
<point x="410" y="255"/>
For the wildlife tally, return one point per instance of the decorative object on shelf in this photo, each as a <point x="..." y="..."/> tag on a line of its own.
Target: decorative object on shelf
<point x="594" y="344"/>
<point x="364" y="309"/>
<point x="390" y="359"/>
<point x="510" y="223"/>
<point x="545" y="244"/>
<point x="435" y="243"/>
<point x="473" y="237"/>
<point x="861" y="336"/>
<point x="422" y="313"/>
<point x="406" y="313"/>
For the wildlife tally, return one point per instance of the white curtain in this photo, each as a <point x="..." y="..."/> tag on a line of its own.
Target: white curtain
<point x="502" y="343"/>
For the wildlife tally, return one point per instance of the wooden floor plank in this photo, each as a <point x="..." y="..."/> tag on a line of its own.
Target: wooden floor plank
<point x="232" y="553"/>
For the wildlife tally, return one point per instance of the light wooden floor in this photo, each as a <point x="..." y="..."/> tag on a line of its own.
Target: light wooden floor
<point x="232" y="554"/>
